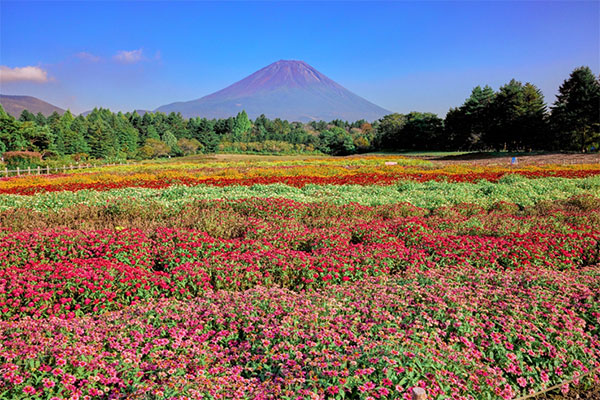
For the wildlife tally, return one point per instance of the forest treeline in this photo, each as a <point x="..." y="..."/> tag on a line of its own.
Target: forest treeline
<point x="514" y="118"/>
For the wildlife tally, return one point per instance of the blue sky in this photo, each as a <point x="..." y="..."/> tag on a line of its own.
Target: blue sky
<point x="403" y="56"/>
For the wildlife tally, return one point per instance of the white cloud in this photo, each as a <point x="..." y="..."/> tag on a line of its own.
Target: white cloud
<point x="84" y="55"/>
<point x="128" y="57"/>
<point x="23" y="74"/>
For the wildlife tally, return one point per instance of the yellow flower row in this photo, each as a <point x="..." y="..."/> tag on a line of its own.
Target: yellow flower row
<point x="317" y="168"/>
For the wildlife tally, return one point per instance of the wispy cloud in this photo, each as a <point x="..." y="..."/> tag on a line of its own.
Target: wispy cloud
<point x="23" y="74"/>
<point x="129" y="57"/>
<point x="84" y="55"/>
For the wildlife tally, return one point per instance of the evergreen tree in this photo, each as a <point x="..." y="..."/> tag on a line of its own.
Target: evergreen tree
<point x="458" y="129"/>
<point x="40" y="119"/>
<point x="177" y="125"/>
<point x="507" y="112"/>
<point x="10" y="133"/>
<point x="210" y="142"/>
<point x="75" y="138"/>
<point x="466" y="126"/>
<point x="534" y="120"/>
<point x="53" y="118"/>
<point x="60" y="129"/>
<point x="37" y="138"/>
<point x="477" y="109"/>
<point x="127" y="135"/>
<point x="390" y="132"/>
<point x="241" y="126"/>
<point x="423" y="131"/>
<point x="152" y="133"/>
<point x="26" y="116"/>
<point x="170" y="140"/>
<point x="576" y="112"/>
<point x="100" y="139"/>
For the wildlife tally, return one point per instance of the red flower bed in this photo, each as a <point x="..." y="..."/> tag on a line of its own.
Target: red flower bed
<point x="389" y="178"/>
<point x="63" y="272"/>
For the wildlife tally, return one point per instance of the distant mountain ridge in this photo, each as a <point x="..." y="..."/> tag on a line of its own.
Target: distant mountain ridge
<point x="286" y="89"/>
<point x="140" y="112"/>
<point x="14" y="105"/>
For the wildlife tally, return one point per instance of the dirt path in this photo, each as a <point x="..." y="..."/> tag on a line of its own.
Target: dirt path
<point x="491" y="159"/>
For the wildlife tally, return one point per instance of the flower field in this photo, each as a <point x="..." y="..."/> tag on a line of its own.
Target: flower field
<point x="357" y="171"/>
<point x="306" y="279"/>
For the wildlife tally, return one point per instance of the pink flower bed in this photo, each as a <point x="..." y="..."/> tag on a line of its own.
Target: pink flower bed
<point x="306" y="302"/>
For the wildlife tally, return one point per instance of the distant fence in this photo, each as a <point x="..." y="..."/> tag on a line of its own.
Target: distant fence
<point x="49" y="171"/>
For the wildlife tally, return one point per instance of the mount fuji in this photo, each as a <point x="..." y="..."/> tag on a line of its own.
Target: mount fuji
<point x="286" y="89"/>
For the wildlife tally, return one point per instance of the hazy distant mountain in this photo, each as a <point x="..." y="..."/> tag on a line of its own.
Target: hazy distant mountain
<point x="14" y="105"/>
<point x="140" y="112"/>
<point x="291" y="90"/>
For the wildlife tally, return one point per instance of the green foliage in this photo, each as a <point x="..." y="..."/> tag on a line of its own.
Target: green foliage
<point x="576" y="112"/>
<point x="170" y="140"/>
<point x="465" y="126"/>
<point x="336" y="141"/>
<point x="188" y="146"/>
<point x="415" y="130"/>
<point x="390" y="131"/>
<point x="126" y="136"/>
<point x="426" y="131"/>
<point x="241" y="125"/>
<point x="26" y="116"/>
<point x="22" y="159"/>
<point x="152" y="133"/>
<point x="154" y="148"/>
<point x="38" y="138"/>
<point x="10" y="135"/>
<point x="101" y="140"/>
<point x="74" y="138"/>
<point x="518" y="115"/>
<point x="265" y="147"/>
<point x="40" y="119"/>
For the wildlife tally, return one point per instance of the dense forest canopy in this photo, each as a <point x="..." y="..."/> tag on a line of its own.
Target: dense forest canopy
<point x="515" y="117"/>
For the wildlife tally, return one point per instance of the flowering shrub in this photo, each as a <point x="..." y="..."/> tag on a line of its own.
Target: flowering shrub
<point x="496" y="337"/>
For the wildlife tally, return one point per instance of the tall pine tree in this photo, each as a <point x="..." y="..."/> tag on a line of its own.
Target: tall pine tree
<point x="576" y="113"/>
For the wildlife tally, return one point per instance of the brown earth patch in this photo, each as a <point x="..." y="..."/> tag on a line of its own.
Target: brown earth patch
<point x="489" y="159"/>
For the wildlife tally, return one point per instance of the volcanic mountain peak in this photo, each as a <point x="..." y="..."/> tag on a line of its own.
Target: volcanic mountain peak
<point x="286" y="89"/>
<point x="292" y="73"/>
<point x="286" y="74"/>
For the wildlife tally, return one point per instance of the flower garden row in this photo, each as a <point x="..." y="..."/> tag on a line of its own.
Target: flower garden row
<point x="295" y="176"/>
<point x="275" y="242"/>
<point x="512" y="189"/>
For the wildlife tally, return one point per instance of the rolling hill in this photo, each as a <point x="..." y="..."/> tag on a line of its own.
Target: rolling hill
<point x="14" y="105"/>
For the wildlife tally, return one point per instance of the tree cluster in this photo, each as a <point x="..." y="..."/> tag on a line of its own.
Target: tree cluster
<point x="515" y="117"/>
